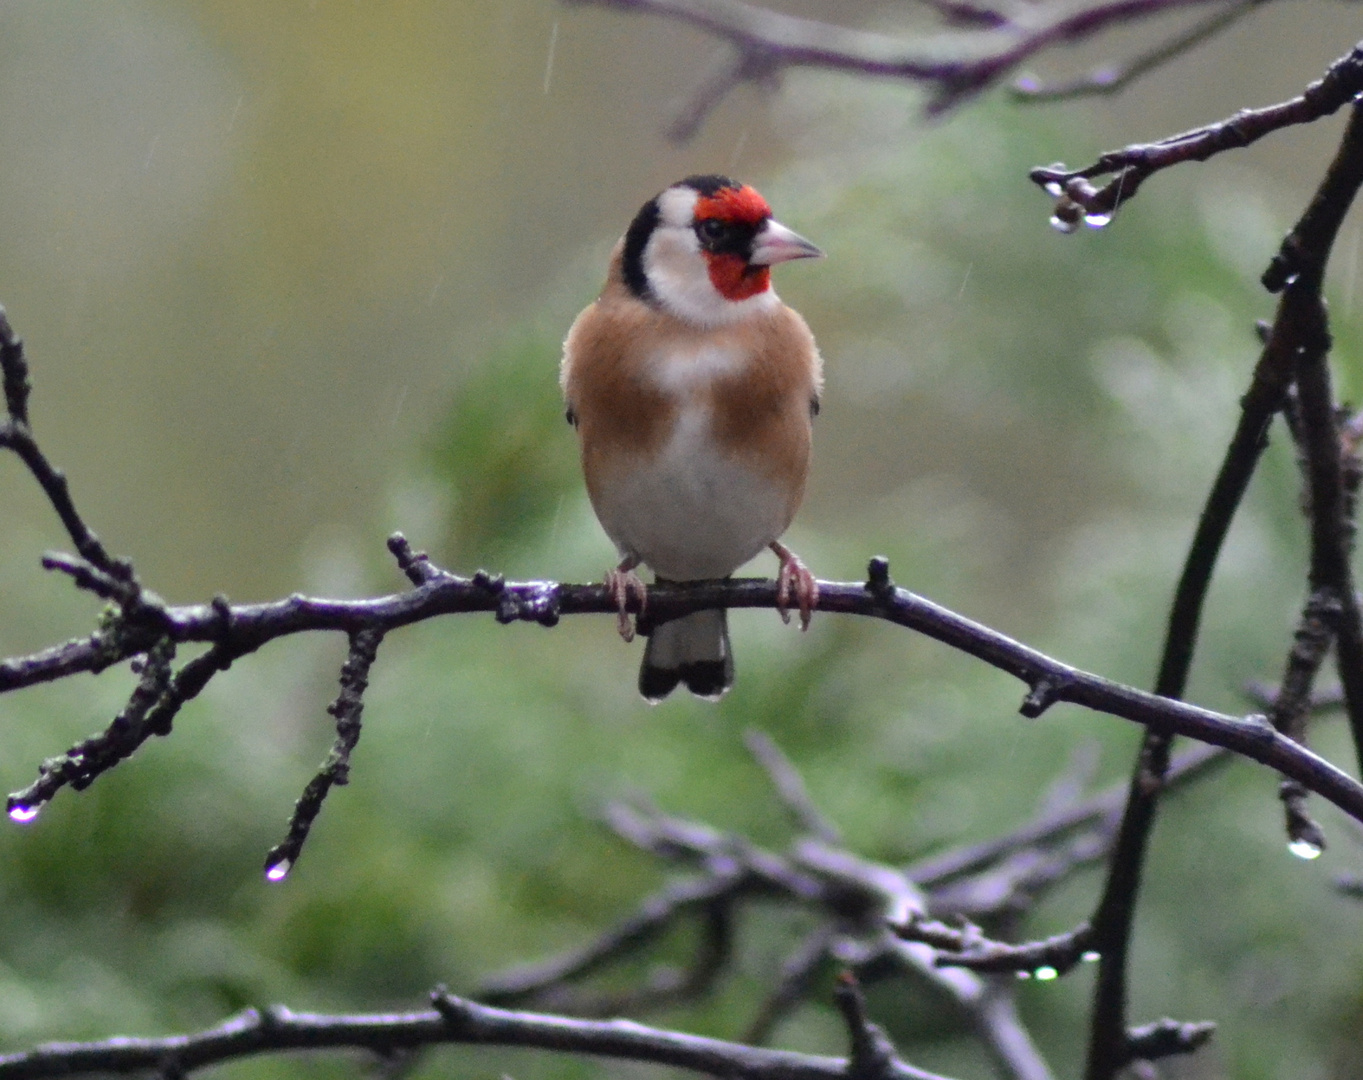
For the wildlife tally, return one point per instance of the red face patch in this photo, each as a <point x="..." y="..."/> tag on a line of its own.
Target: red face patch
<point x="731" y="276"/>
<point x="734" y="279"/>
<point x="741" y="204"/>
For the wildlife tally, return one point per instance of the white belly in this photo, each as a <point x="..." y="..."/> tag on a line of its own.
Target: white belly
<point x="692" y="511"/>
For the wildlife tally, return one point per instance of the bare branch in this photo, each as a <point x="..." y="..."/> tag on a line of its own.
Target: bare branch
<point x="652" y="918"/>
<point x="1048" y="827"/>
<point x="790" y="786"/>
<point x="1164" y="1038"/>
<point x="249" y="626"/>
<point x="798" y="973"/>
<point x="871" y="1055"/>
<point x="416" y="565"/>
<point x="1111" y="78"/>
<point x="1077" y="198"/>
<point x="1295" y="345"/>
<point x="954" y="65"/>
<point x="969" y="948"/>
<point x="347" y="709"/>
<point x="453" y="1021"/>
<point x="850" y="895"/>
<point x="14" y="373"/>
<point x="16" y="434"/>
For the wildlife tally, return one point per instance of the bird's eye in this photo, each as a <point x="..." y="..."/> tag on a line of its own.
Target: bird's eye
<point x="712" y="230"/>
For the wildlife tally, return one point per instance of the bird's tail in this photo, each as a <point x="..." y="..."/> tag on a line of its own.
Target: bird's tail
<point x="693" y="650"/>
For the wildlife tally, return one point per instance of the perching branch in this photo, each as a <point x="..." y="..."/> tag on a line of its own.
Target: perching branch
<point x="246" y="627"/>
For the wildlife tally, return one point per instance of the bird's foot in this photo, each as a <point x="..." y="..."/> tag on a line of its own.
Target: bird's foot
<point x="795" y="577"/>
<point x="622" y="583"/>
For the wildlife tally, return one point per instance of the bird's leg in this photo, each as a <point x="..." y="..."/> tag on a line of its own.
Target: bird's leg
<point x="621" y="583"/>
<point x="794" y="575"/>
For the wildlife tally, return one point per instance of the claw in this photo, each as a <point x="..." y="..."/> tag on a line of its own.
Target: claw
<point x="622" y="583"/>
<point x="795" y="576"/>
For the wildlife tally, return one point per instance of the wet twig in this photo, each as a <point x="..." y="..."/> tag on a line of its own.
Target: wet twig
<point x="347" y="710"/>
<point x="1297" y="341"/>
<point x="249" y="626"/>
<point x="1077" y="198"/>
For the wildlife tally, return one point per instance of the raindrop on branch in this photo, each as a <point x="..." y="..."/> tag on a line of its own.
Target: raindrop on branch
<point x="1302" y="849"/>
<point x="279" y="871"/>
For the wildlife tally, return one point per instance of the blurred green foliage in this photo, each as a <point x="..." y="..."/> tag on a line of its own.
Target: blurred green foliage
<point x="499" y="452"/>
<point x="1040" y="417"/>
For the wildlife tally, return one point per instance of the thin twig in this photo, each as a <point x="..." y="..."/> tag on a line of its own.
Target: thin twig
<point x="1111" y="78"/>
<point x="650" y="920"/>
<point x="1165" y="1038"/>
<point x="790" y="786"/>
<point x="933" y="871"/>
<point x="954" y="65"/>
<point x="968" y="947"/>
<point x="1132" y="166"/>
<point x="871" y="1055"/>
<point x="348" y="708"/>
<point x="798" y="973"/>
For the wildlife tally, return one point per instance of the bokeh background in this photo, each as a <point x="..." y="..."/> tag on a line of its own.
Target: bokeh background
<point x="294" y="275"/>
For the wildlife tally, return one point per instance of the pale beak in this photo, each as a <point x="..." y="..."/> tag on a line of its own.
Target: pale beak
<point x="774" y="243"/>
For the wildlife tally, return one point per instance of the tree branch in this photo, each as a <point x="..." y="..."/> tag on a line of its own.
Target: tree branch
<point x="1298" y="332"/>
<point x="954" y="65"/>
<point x="1112" y="78"/>
<point x="347" y="709"/>
<point x="247" y="627"/>
<point x="453" y="1021"/>
<point x="1078" y="199"/>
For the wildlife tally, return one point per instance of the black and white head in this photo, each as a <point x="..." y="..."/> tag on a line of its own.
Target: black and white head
<point x="704" y="248"/>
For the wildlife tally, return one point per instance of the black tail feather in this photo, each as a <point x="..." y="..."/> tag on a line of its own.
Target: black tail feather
<point x="694" y="651"/>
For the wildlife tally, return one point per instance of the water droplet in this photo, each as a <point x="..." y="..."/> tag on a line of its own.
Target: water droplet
<point x="1091" y="957"/>
<point x="1060" y="225"/>
<point x="1097" y="221"/>
<point x="1046" y="974"/>
<point x="21" y="813"/>
<point x="1024" y="974"/>
<point x="1054" y="190"/>
<point x="1302" y="849"/>
<point x="279" y="871"/>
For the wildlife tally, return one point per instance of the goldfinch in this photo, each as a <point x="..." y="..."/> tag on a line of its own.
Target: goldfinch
<point x="693" y="390"/>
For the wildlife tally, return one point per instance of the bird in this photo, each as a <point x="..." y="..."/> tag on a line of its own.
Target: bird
<point x="693" y="390"/>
